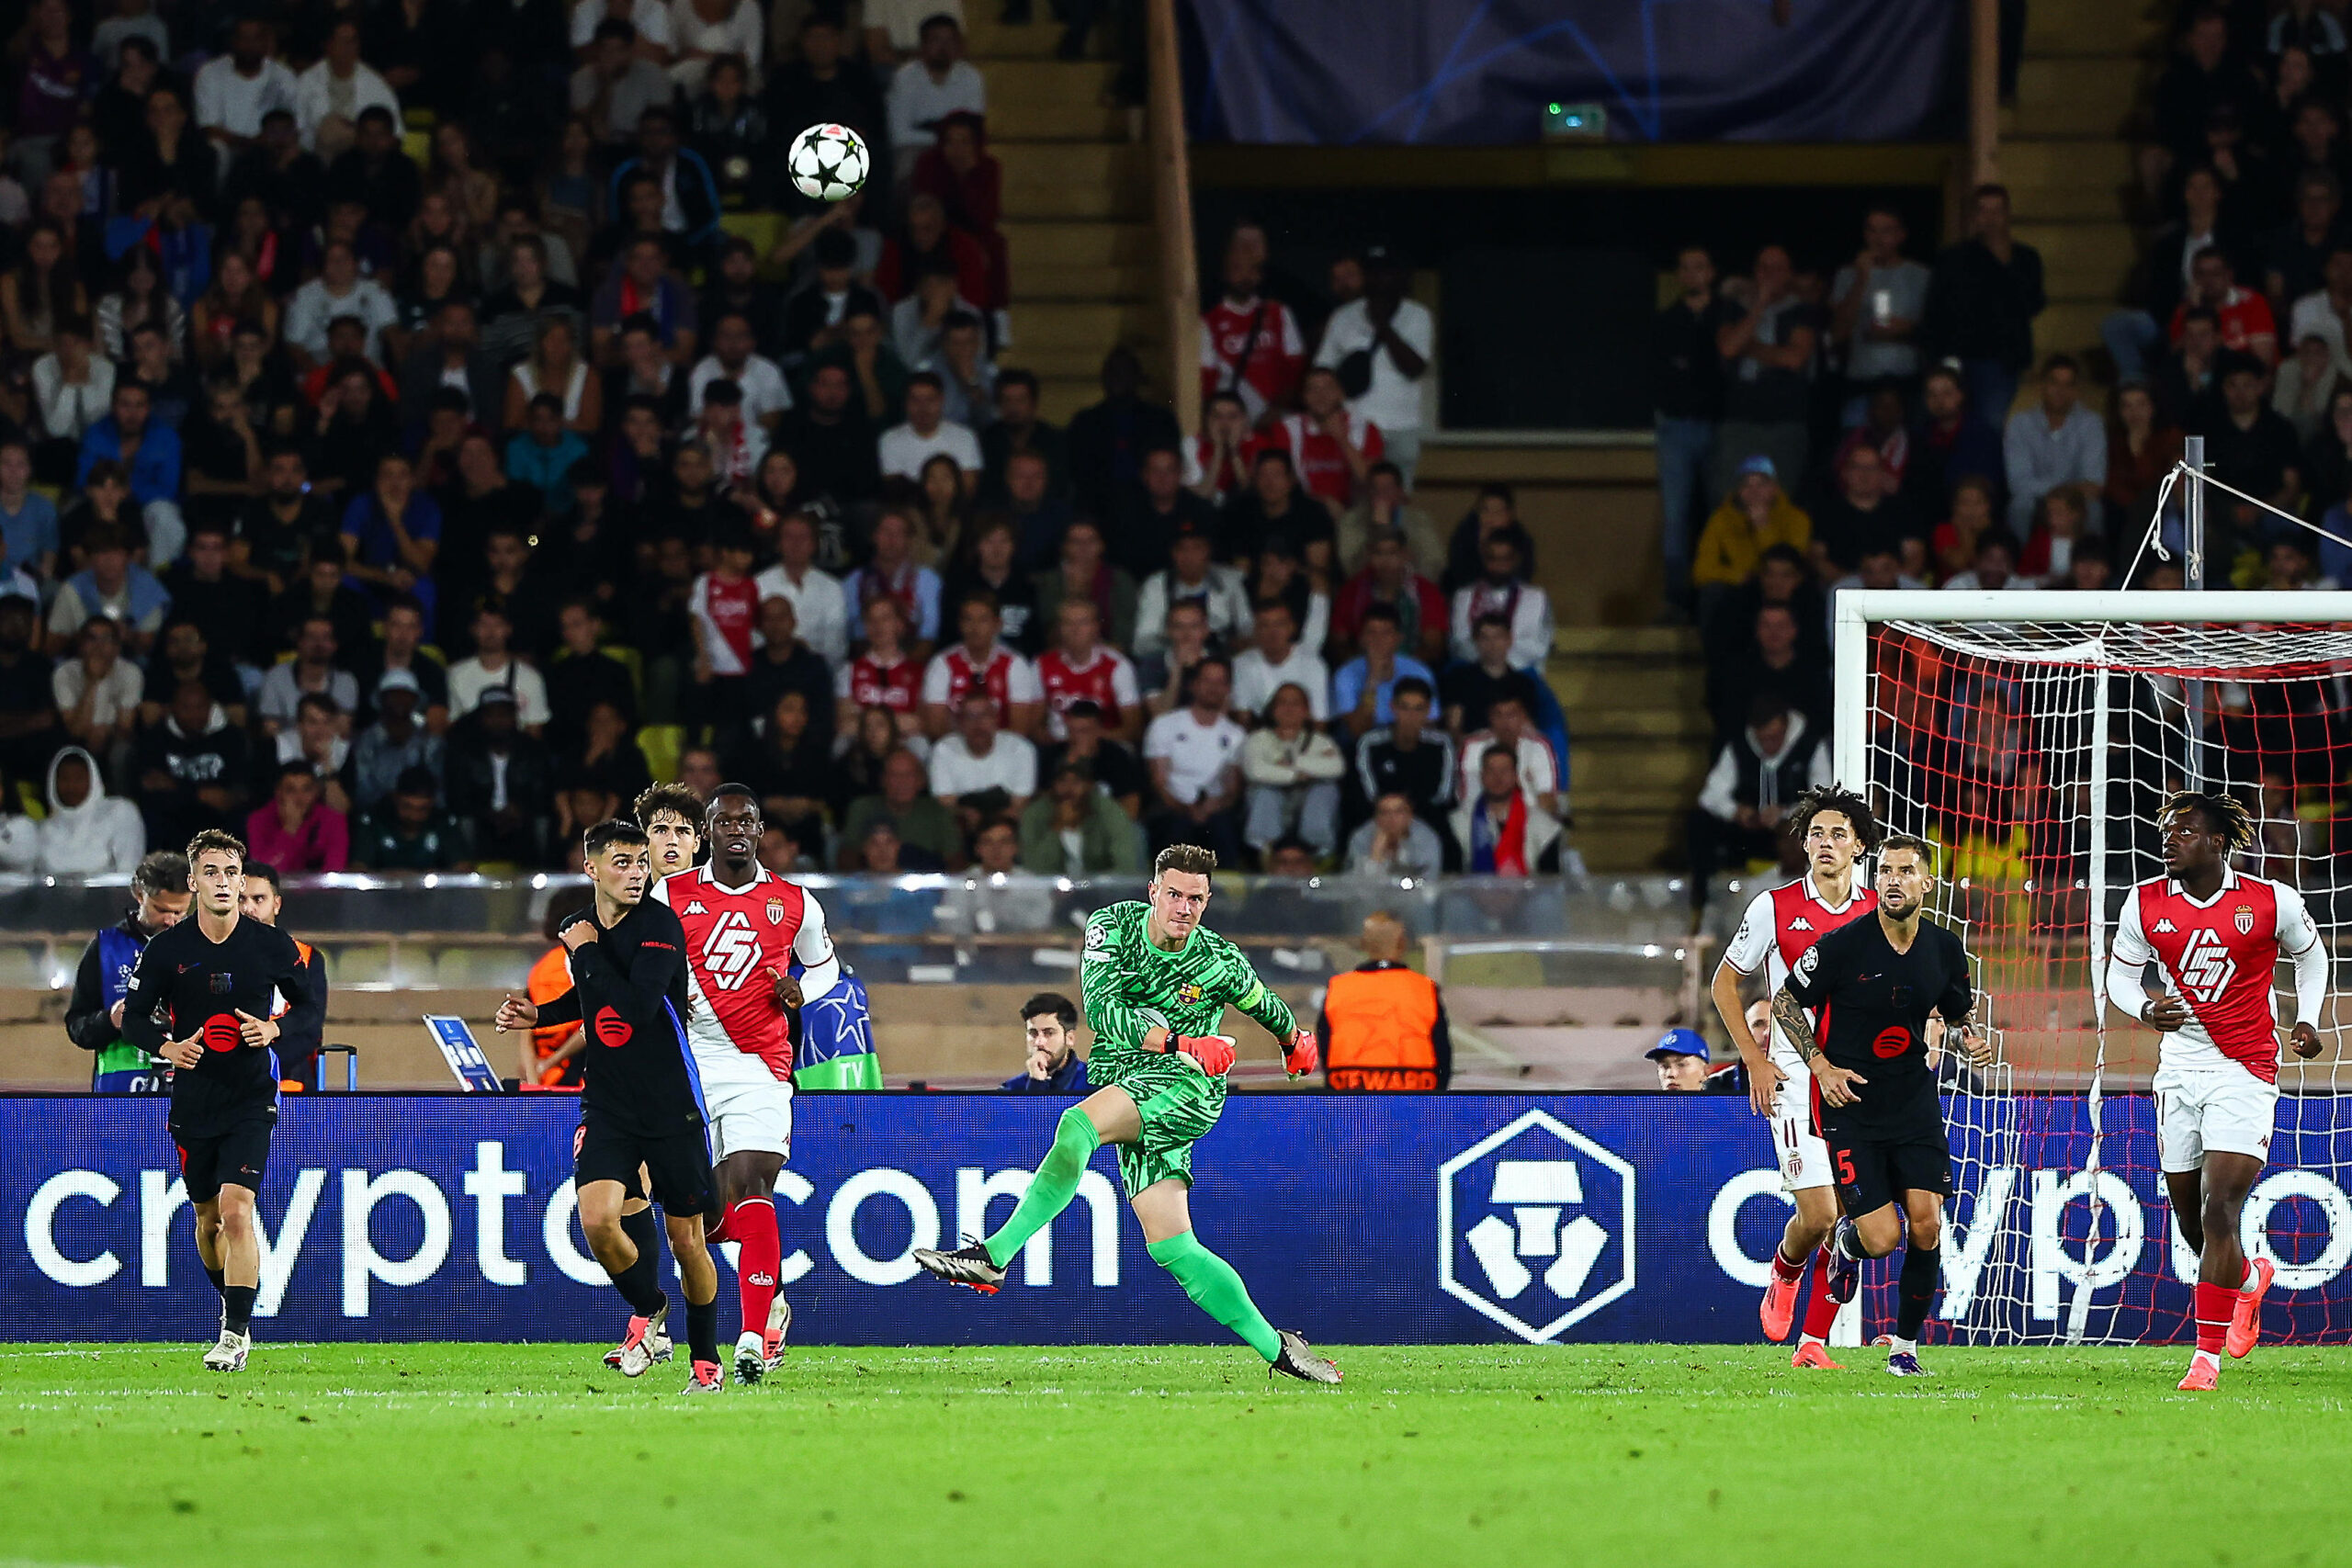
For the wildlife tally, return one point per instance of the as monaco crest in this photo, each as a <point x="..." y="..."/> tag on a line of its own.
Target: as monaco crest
<point x="775" y="914"/>
<point x="2244" y="920"/>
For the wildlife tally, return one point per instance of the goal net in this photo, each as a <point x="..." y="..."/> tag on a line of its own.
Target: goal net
<point x="2031" y="736"/>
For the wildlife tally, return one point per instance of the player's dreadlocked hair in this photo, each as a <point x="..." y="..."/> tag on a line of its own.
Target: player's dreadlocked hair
<point x="657" y="799"/>
<point x="1845" y="802"/>
<point x="2224" y="814"/>
<point x="1192" y="859"/>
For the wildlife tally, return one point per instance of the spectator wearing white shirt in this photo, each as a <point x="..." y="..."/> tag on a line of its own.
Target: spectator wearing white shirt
<point x="819" y="605"/>
<point x="1194" y="752"/>
<point x="74" y="387"/>
<point x="330" y="96"/>
<point x="338" y="290"/>
<point x="980" y="773"/>
<point x="1543" y="773"/>
<point x="1396" y="337"/>
<point x="311" y="669"/>
<point x="905" y="448"/>
<point x="1274" y="659"/>
<point x="98" y="691"/>
<point x="1501" y="590"/>
<point x="234" y="90"/>
<point x="936" y="83"/>
<point x="1190" y="577"/>
<point x="1293" y="770"/>
<point x="703" y="30"/>
<point x="1996" y="567"/>
<point x="894" y="28"/>
<point x="767" y="398"/>
<point x="2322" y="312"/>
<point x="492" y="665"/>
<point x="2057" y="443"/>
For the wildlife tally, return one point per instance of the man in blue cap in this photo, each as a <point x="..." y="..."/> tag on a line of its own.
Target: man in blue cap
<point x="1684" y="1066"/>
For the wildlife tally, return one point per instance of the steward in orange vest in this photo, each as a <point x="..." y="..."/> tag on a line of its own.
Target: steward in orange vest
<point x="1383" y="1028"/>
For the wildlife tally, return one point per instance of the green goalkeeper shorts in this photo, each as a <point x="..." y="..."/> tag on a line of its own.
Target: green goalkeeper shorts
<point x="1178" y="1103"/>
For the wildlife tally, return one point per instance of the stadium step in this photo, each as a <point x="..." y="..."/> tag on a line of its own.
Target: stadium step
<point x="2072" y="30"/>
<point x="1053" y="100"/>
<point x="1638" y="737"/>
<point x="2061" y="96"/>
<point x="1060" y="243"/>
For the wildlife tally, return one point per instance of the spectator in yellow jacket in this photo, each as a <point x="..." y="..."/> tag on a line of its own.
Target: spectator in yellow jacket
<point x="1753" y="518"/>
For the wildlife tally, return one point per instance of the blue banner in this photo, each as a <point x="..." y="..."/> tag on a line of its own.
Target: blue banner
<point x="1421" y="1219"/>
<point x="1486" y="71"/>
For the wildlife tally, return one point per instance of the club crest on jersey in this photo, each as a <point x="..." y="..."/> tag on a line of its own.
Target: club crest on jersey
<point x="222" y="983"/>
<point x="2243" y="917"/>
<point x="1188" y="993"/>
<point x="775" y="911"/>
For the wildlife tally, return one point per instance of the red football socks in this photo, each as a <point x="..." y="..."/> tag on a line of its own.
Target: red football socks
<point x="751" y="1224"/>
<point x="1821" y="1308"/>
<point x="2215" y="1304"/>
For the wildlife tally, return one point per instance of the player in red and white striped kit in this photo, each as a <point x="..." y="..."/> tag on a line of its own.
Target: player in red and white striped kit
<point x="1836" y="830"/>
<point x="2215" y="937"/>
<point x="744" y="928"/>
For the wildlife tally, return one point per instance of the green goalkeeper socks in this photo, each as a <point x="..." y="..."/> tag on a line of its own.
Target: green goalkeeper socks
<point x="1216" y="1290"/>
<point x="1051" y="1189"/>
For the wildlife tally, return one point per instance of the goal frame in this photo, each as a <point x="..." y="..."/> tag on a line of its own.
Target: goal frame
<point x="1856" y="610"/>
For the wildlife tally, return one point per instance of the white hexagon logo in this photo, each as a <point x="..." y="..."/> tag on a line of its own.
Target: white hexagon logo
<point x="1533" y="1215"/>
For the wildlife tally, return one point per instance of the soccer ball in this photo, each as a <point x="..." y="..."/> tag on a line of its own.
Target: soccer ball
<point x="828" y="163"/>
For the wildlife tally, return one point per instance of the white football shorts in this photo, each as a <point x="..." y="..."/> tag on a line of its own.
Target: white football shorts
<point x="2227" y="1110"/>
<point x="748" y="1106"/>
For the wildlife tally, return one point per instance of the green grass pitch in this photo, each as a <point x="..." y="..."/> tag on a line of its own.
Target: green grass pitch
<point x="1034" y="1457"/>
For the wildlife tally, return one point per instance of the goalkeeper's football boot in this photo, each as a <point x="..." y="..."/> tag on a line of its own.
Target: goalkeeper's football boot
<point x="968" y="1265"/>
<point x="229" y="1354"/>
<point x="706" y="1378"/>
<point x="647" y="1342"/>
<point x="1815" y="1358"/>
<point x="1298" y="1360"/>
<point x="779" y="1325"/>
<point x="1779" y="1308"/>
<point x="1841" y="1272"/>
<point x="2246" y="1318"/>
<point x="1904" y="1364"/>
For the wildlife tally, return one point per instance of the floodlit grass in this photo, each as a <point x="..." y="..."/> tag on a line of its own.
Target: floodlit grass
<point x="1428" y="1456"/>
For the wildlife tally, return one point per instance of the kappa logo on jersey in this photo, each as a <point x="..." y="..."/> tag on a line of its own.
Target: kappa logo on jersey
<point x="730" y="950"/>
<point x="1536" y="1222"/>
<point x="1800" y="924"/>
<point x="695" y="908"/>
<point x="2243" y="917"/>
<point x="2168" y="928"/>
<point x="2206" y="966"/>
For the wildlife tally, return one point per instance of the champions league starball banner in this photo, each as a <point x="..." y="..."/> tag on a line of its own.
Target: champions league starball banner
<point x="1367" y="1220"/>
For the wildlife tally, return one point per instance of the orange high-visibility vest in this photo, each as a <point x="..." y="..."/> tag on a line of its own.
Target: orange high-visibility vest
<point x="1381" y="1024"/>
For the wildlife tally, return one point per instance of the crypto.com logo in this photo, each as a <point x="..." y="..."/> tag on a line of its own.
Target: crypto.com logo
<point x="1532" y="1217"/>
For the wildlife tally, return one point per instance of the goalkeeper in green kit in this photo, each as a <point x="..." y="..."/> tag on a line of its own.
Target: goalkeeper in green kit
<point x="1156" y="983"/>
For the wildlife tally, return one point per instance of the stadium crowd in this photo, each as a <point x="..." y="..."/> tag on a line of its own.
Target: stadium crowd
<point x="406" y="456"/>
<point x="1862" y="425"/>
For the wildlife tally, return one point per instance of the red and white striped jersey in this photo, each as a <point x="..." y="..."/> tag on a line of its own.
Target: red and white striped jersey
<point x="730" y="615"/>
<point x="1107" y="680"/>
<point x="1780" y="925"/>
<point x="1006" y="676"/>
<point x="1322" y="467"/>
<point x="866" y="682"/>
<point x="735" y="936"/>
<point x="2219" y="955"/>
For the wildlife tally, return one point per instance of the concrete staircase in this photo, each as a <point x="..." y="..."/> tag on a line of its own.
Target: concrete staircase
<point x="2086" y="73"/>
<point x="1076" y="212"/>
<point x="1638" y="739"/>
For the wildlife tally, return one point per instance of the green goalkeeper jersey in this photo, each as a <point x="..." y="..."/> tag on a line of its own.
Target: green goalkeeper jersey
<point x="1130" y="986"/>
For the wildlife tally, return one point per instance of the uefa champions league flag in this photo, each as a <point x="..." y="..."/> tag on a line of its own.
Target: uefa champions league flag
<point x="464" y="1054"/>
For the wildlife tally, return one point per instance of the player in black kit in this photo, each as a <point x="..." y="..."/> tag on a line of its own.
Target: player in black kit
<point x="201" y="998"/>
<point x="642" y="1101"/>
<point x="1873" y="982"/>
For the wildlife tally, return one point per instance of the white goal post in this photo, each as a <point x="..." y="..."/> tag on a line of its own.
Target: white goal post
<point x="2028" y="733"/>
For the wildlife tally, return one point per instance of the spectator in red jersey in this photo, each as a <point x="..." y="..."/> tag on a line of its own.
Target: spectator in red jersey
<point x="926" y="236"/>
<point x="1219" y="463"/>
<point x="298" y="830"/>
<point x="1331" y="447"/>
<point x="970" y="184"/>
<point x="885" y="677"/>
<point x="1249" y="342"/>
<point x="1390" y="577"/>
<point x="1083" y="573"/>
<point x="1080" y="667"/>
<point x="980" y="659"/>
<point x="2244" y="314"/>
<point x="726" y="608"/>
